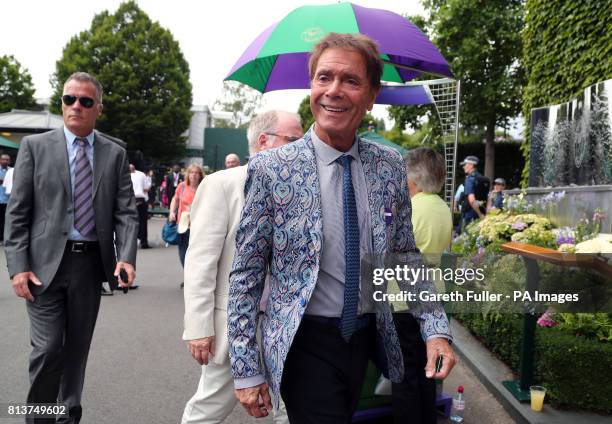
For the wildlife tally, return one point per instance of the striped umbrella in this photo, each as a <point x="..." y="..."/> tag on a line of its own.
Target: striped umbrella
<point x="278" y="58"/>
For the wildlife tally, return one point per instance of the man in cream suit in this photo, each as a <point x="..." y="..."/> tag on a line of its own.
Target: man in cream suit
<point x="215" y="216"/>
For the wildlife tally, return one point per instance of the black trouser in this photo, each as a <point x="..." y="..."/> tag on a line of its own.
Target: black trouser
<point x="414" y="399"/>
<point x="183" y="244"/>
<point x="323" y="374"/>
<point x="62" y="321"/>
<point x="143" y="212"/>
<point x="2" y="217"/>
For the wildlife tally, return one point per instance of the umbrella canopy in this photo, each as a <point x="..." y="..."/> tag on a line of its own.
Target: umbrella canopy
<point x="5" y="142"/>
<point x="373" y="136"/>
<point x="402" y="95"/>
<point x="278" y="58"/>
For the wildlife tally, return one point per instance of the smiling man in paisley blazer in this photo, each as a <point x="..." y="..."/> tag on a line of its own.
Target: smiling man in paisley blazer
<point x="313" y="209"/>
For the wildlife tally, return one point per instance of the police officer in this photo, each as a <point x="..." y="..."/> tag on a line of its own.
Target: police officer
<point x="471" y="208"/>
<point x="496" y="197"/>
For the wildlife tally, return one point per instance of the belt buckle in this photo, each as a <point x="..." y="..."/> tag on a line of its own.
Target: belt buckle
<point x="78" y="247"/>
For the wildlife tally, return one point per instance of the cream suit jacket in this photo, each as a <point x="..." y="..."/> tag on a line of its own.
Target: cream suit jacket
<point x="215" y="215"/>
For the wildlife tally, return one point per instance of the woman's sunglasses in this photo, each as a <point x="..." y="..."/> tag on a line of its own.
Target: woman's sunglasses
<point x="86" y="102"/>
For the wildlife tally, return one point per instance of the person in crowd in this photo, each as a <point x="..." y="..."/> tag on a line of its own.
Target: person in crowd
<point x="231" y="161"/>
<point x="458" y="198"/>
<point x="472" y="208"/>
<point x="173" y="179"/>
<point x="496" y="197"/>
<point x="152" y="193"/>
<point x="66" y="235"/>
<point x="414" y="398"/>
<point x="180" y="207"/>
<point x="8" y="183"/>
<point x="5" y="161"/>
<point x="312" y="209"/>
<point x="141" y="188"/>
<point x="215" y="216"/>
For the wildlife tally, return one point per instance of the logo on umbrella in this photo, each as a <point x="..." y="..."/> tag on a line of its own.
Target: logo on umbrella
<point x="311" y="35"/>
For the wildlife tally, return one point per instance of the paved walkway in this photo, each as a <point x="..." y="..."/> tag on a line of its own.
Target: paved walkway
<point x="139" y="370"/>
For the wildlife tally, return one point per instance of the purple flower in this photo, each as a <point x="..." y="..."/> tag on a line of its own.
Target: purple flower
<point x="564" y="239"/>
<point x="546" y="320"/>
<point x="598" y="216"/>
<point x="519" y="226"/>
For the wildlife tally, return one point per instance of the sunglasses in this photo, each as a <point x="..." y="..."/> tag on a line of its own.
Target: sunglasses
<point x="86" y="102"/>
<point x="288" y="138"/>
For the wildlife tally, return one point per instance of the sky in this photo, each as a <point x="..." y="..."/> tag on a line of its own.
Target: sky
<point x="212" y="36"/>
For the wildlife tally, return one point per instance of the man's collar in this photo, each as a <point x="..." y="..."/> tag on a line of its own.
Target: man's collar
<point x="327" y="153"/>
<point x="70" y="137"/>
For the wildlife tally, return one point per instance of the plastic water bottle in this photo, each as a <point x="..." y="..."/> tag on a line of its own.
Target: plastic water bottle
<point x="458" y="406"/>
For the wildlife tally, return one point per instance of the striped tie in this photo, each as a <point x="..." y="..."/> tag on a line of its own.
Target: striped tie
<point x="348" y="321"/>
<point x="83" y="190"/>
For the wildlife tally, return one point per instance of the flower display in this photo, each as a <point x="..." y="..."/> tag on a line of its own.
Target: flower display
<point x="498" y="228"/>
<point x="600" y="244"/>
<point x="547" y="320"/>
<point x="567" y="248"/>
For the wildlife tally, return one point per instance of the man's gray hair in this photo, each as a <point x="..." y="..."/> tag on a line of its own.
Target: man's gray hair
<point x="425" y="168"/>
<point x="85" y="77"/>
<point x="264" y="123"/>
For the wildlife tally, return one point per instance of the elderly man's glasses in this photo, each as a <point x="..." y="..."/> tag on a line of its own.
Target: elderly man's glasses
<point x="288" y="138"/>
<point x="86" y="102"/>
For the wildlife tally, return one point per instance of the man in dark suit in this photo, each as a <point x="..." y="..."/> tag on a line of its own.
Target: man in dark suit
<point x="71" y="223"/>
<point x="172" y="181"/>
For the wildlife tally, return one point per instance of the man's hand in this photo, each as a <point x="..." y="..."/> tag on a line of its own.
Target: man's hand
<point x="437" y="347"/>
<point x="131" y="274"/>
<point x="201" y="349"/>
<point x="256" y="400"/>
<point x="171" y="216"/>
<point x="20" y="284"/>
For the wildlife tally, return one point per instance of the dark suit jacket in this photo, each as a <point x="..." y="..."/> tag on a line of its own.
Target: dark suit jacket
<point x="170" y="185"/>
<point x="40" y="208"/>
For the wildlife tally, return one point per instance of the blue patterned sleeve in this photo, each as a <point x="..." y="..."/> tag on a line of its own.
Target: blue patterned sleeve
<point x="253" y="247"/>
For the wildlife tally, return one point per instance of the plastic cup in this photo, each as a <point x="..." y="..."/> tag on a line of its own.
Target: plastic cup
<point x="537" y="397"/>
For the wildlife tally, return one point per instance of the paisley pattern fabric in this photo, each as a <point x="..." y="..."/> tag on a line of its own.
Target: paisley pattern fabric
<point x="282" y="229"/>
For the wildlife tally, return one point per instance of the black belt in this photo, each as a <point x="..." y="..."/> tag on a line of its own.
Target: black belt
<point x="362" y="321"/>
<point x="74" y="246"/>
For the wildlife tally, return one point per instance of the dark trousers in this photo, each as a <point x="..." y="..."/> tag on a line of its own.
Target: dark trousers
<point x="143" y="215"/>
<point x="323" y="374"/>
<point x="414" y="399"/>
<point x="183" y="244"/>
<point x="2" y="217"/>
<point x="62" y="321"/>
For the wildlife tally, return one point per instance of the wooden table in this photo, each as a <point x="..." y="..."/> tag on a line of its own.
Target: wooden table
<point x="531" y="254"/>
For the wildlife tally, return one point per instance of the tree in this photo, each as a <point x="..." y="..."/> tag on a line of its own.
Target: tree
<point x="305" y="113"/>
<point x="482" y="42"/>
<point x="16" y="88"/>
<point x="241" y="100"/>
<point x="413" y="116"/>
<point x="308" y="119"/>
<point x="147" y="100"/>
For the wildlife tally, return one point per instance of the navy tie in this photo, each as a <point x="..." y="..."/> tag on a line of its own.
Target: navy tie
<point x="83" y="190"/>
<point x="348" y="321"/>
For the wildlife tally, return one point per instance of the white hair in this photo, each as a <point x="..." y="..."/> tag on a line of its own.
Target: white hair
<point x="425" y="167"/>
<point x="265" y="122"/>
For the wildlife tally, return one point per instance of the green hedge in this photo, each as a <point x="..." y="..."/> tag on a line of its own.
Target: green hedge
<point x="576" y="371"/>
<point x="567" y="46"/>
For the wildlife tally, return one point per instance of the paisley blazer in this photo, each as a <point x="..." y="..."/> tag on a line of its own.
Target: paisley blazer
<point x="282" y="229"/>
